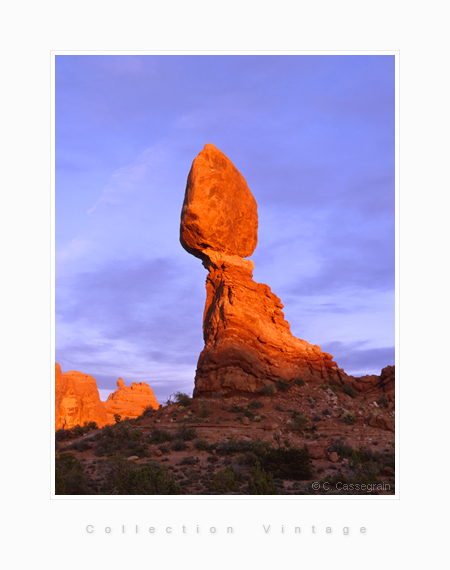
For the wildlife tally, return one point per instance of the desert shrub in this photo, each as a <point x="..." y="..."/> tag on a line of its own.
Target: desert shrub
<point x="317" y="418"/>
<point x="363" y="455"/>
<point x="292" y="463"/>
<point x="204" y="409"/>
<point x="82" y="445"/>
<point x="329" y="386"/>
<point x="256" y="418"/>
<point x="182" y="399"/>
<point x="232" y="446"/>
<point x="261" y="483"/>
<point x="61" y="434"/>
<point x="185" y="433"/>
<point x="357" y="477"/>
<point x="383" y="401"/>
<point x="164" y="447"/>
<point x="70" y="478"/>
<point x="279" y="408"/>
<point x="255" y="405"/>
<point x="188" y="461"/>
<point x="201" y="444"/>
<point x="342" y="449"/>
<point x="126" y="478"/>
<point x="235" y="409"/>
<point x="268" y="390"/>
<point x="178" y="445"/>
<point x="349" y="390"/>
<point x="282" y="385"/>
<point x="348" y="418"/>
<point x="159" y="436"/>
<point x="76" y="431"/>
<point x="299" y="421"/>
<point x="249" y="414"/>
<point x="117" y="418"/>
<point x="299" y="382"/>
<point x="225" y="480"/>
<point x="148" y="412"/>
<point x="212" y="458"/>
<point x="108" y="431"/>
<point x="121" y="439"/>
<point x="326" y="412"/>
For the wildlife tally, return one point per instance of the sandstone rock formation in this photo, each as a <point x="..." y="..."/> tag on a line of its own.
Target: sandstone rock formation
<point x="77" y="400"/>
<point x="130" y="401"/>
<point x="376" y="386"/>
<point x="219" y="211"/>
<point x="248" y="343"/>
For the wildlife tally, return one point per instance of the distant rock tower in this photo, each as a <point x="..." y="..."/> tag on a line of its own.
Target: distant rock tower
<point x="248" y="343"/>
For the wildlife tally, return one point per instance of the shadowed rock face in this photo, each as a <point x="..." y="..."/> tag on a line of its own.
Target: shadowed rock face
<point x="374" y="385"/>
<point x="248" y="343"/>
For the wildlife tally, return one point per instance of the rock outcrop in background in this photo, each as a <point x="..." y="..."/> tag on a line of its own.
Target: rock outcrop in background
<point x="372" y="384"/>
<point x="77" y="400"/>
<point x="248" y="342"/>
<point x="130" y="401"/>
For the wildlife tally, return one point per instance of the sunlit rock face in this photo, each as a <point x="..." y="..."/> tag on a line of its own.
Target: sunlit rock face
<point x="130" y="401"/>
<point x="77" y="400"/>
<point x="219" y="211"/>
<point x="248" y="343"/>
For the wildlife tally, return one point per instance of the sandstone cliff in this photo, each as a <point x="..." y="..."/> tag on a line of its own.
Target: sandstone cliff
<point x="248" y="343"/>
<point x="77" y="400"/>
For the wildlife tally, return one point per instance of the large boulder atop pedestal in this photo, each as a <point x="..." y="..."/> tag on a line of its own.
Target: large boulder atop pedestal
<point x="219" y="211"/>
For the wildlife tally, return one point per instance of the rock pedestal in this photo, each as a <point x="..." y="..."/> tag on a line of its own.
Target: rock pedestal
<point x="248" y="343"/>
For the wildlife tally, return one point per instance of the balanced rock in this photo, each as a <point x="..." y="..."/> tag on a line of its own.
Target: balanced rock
<point x="248" y="342"/>
<point x="130" y="401"/>
<point x="219" y="211"/>
<point x="77" y="400"/>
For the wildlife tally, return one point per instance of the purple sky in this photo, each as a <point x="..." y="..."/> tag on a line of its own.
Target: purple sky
<point x="314" y="138"/>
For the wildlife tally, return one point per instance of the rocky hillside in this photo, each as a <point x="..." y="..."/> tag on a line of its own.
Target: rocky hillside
<point x="302" y="438"/>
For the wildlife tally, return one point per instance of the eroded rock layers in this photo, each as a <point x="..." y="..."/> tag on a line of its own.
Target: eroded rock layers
<point x="77" y="400"/>
<point x="248" y="343"/>
<point x="130" y="401"/>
